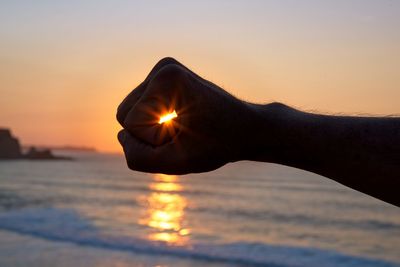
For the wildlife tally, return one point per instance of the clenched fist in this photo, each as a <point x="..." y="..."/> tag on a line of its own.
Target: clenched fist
<point x="209" y="131"/>
<point x="213" y="128"/>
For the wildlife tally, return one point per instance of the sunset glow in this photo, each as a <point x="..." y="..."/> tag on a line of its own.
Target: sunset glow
<point x="62" y="79"/>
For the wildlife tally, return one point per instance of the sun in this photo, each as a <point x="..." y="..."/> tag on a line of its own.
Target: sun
<point x="167" y="117"/>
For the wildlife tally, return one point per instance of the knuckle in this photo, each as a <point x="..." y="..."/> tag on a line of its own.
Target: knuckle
<point x="160" y="64"/>
<point x="129" y="101"/>
<point x="171" y="72"/>
<point x="121" y="114"/>
<point x="166" y="60"/>
<point x="129" y="124"/>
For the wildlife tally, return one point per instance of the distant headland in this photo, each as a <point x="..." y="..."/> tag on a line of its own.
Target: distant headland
<point x="65" y="147"/>
<point x="10" y="148"/>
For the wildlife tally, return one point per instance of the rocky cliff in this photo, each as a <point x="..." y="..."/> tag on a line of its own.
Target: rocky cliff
<point x="9" y="145"/>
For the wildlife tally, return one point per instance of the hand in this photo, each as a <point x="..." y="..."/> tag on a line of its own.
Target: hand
<point x="209" y="131"/>
<point x="214" y="128"/>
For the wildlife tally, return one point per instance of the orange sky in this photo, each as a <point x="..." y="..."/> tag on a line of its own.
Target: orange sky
<point x="65" y="66"/>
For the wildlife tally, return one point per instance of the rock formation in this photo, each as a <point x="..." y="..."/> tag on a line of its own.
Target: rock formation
<point x="9" y="145"/>
<point x="11" y="149"/>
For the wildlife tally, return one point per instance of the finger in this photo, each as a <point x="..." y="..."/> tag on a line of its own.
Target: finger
<point x="132" y="98"/>
<point x="161" y="97"/>
<point x="128" y="103"/>
<point x="138" y="155"/>
<point x="142" y="157"/>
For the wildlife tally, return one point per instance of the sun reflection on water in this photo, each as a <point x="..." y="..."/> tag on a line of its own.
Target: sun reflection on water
<point x="165" y="210"/>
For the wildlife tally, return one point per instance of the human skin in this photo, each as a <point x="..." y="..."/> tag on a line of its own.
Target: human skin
<point x="214" y="128"/>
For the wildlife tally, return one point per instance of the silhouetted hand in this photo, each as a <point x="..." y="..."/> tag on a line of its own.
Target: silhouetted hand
<point x="214" y="128"/>
<point x="207" y="133"/>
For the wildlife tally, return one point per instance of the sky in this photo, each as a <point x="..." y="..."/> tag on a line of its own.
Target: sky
<point x="66" y="65"/>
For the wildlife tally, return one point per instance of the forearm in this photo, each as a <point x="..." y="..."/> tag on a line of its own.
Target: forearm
<point x="360" y="152"/>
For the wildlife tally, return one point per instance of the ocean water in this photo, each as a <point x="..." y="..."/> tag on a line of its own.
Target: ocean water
<point x="95" y="212"/>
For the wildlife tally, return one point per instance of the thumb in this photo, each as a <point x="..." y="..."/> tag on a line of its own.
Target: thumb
<point x="143" y="157"/>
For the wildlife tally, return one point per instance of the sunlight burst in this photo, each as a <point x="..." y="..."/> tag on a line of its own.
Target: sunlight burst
<point x="168" y="117"/>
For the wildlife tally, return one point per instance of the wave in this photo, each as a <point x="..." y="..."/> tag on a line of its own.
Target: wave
<point x="66" y="225"/>
<point x="300" y="219"/>
<point x="10" y="201"/>
<point x="109" y="186"/>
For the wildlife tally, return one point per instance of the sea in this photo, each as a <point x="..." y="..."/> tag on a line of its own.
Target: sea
<point x="94" y="211"/>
